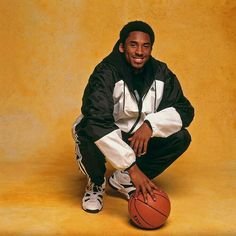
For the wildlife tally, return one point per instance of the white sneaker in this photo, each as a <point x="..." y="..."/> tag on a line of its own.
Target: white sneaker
<point x="93" y="198"/>
<point x="121" y="181"/>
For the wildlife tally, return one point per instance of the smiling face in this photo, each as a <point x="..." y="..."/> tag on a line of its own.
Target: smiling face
<point x="137" y="49"/>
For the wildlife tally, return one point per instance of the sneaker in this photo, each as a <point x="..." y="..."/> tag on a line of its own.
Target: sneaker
<point x="93" y="198"/>
<point x="121" y="181"/>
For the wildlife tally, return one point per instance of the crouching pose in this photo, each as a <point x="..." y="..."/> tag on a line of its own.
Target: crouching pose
<point x="134" y="115"/>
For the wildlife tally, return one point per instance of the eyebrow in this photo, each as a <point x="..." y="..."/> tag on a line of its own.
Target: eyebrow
<point x="133" y="41"/>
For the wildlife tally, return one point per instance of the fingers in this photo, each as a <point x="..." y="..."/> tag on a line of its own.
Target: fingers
<point x="150" y="191"/>
<point x="132" y="141"/>
<point x="140" y="149"/>
<point x="144" y="192"/>
<point x="142" y="183"/>
<point x="154" y="186"/>
<point x="146" y="189"/>
<point x="138" y="146"/>
<point x="139" y="140"/>
<point x="137" y="192"/>
<point x="135" y="145"/>
<point x="145" y="145"/>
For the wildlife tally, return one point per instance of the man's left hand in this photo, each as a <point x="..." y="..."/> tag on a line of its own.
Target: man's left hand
<point x="139" y="141"/>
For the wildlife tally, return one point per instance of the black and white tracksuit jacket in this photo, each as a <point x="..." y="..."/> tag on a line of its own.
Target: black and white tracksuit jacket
<point x="111" y="105"/>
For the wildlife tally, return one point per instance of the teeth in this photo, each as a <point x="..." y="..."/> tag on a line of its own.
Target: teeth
<point x="138" y="59"/>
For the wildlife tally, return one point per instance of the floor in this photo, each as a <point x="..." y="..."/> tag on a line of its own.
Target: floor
<point x="42" y="196"/>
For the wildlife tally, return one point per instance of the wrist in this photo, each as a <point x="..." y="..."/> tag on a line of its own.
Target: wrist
<point x="127" y="169"/>
<point x="133" y="169"/>
<point x="148" y="124"/>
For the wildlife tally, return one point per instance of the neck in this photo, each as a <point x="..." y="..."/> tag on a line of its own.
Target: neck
<point x="136" y="71"/>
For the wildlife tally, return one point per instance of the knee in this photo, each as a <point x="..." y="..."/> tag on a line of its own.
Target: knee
<point x="182" y="139"/>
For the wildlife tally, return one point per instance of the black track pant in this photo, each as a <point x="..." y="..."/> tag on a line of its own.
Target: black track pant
<point x="161" y="153"/>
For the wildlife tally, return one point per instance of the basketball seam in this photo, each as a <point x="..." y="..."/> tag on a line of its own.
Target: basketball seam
<point x="140" y="215"/>
<point x="152" y="208"/>
<point x="162" y="196"/>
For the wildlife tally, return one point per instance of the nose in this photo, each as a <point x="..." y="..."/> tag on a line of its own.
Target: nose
<point x="139" y="50"/>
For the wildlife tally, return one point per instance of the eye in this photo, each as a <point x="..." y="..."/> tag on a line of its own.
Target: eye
<point x="132" y="44"/>
<point x="147" y="45"/>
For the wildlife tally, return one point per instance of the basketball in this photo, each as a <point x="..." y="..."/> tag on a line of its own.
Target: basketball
<point x="152" y="214"/>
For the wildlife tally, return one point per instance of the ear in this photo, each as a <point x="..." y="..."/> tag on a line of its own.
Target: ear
<point x="121" y="48"/>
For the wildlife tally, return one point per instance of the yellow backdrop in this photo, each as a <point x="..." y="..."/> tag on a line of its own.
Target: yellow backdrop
<point x="48" y="50"/>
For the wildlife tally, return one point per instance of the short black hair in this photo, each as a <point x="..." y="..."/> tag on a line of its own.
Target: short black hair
<point x="136" y="26"/>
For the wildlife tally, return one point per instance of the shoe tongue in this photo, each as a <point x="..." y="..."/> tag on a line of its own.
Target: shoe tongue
<point x="95" y="188"/>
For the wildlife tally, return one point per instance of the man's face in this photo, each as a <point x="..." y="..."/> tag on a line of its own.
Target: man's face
<point x="137" y="49"/>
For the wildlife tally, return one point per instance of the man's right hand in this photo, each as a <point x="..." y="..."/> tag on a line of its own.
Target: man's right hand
<point x="142" y="183"/>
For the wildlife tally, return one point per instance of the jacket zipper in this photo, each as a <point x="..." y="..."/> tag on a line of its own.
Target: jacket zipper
<point x="140" y="105"/>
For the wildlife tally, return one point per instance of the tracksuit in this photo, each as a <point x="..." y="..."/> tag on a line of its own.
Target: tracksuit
<point x="116" y="102"/>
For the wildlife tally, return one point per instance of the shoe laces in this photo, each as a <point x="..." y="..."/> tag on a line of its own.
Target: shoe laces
<point x="95" y="188"/>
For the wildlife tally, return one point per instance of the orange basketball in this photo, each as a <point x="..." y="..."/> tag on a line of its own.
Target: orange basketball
<point x="152" y="214"/>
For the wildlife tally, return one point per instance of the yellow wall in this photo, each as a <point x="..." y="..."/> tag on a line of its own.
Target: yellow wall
<point x="49" y="48"/>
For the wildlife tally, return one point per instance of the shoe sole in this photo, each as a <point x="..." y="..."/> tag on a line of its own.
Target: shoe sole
<point x="92" y="211"/>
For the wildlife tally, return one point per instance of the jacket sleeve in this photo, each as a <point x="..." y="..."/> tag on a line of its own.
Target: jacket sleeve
<point x="98" y="122"/>
<point x="174" y="112"/>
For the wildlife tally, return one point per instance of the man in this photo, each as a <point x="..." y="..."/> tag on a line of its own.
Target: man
<point x="134" y="115"/>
